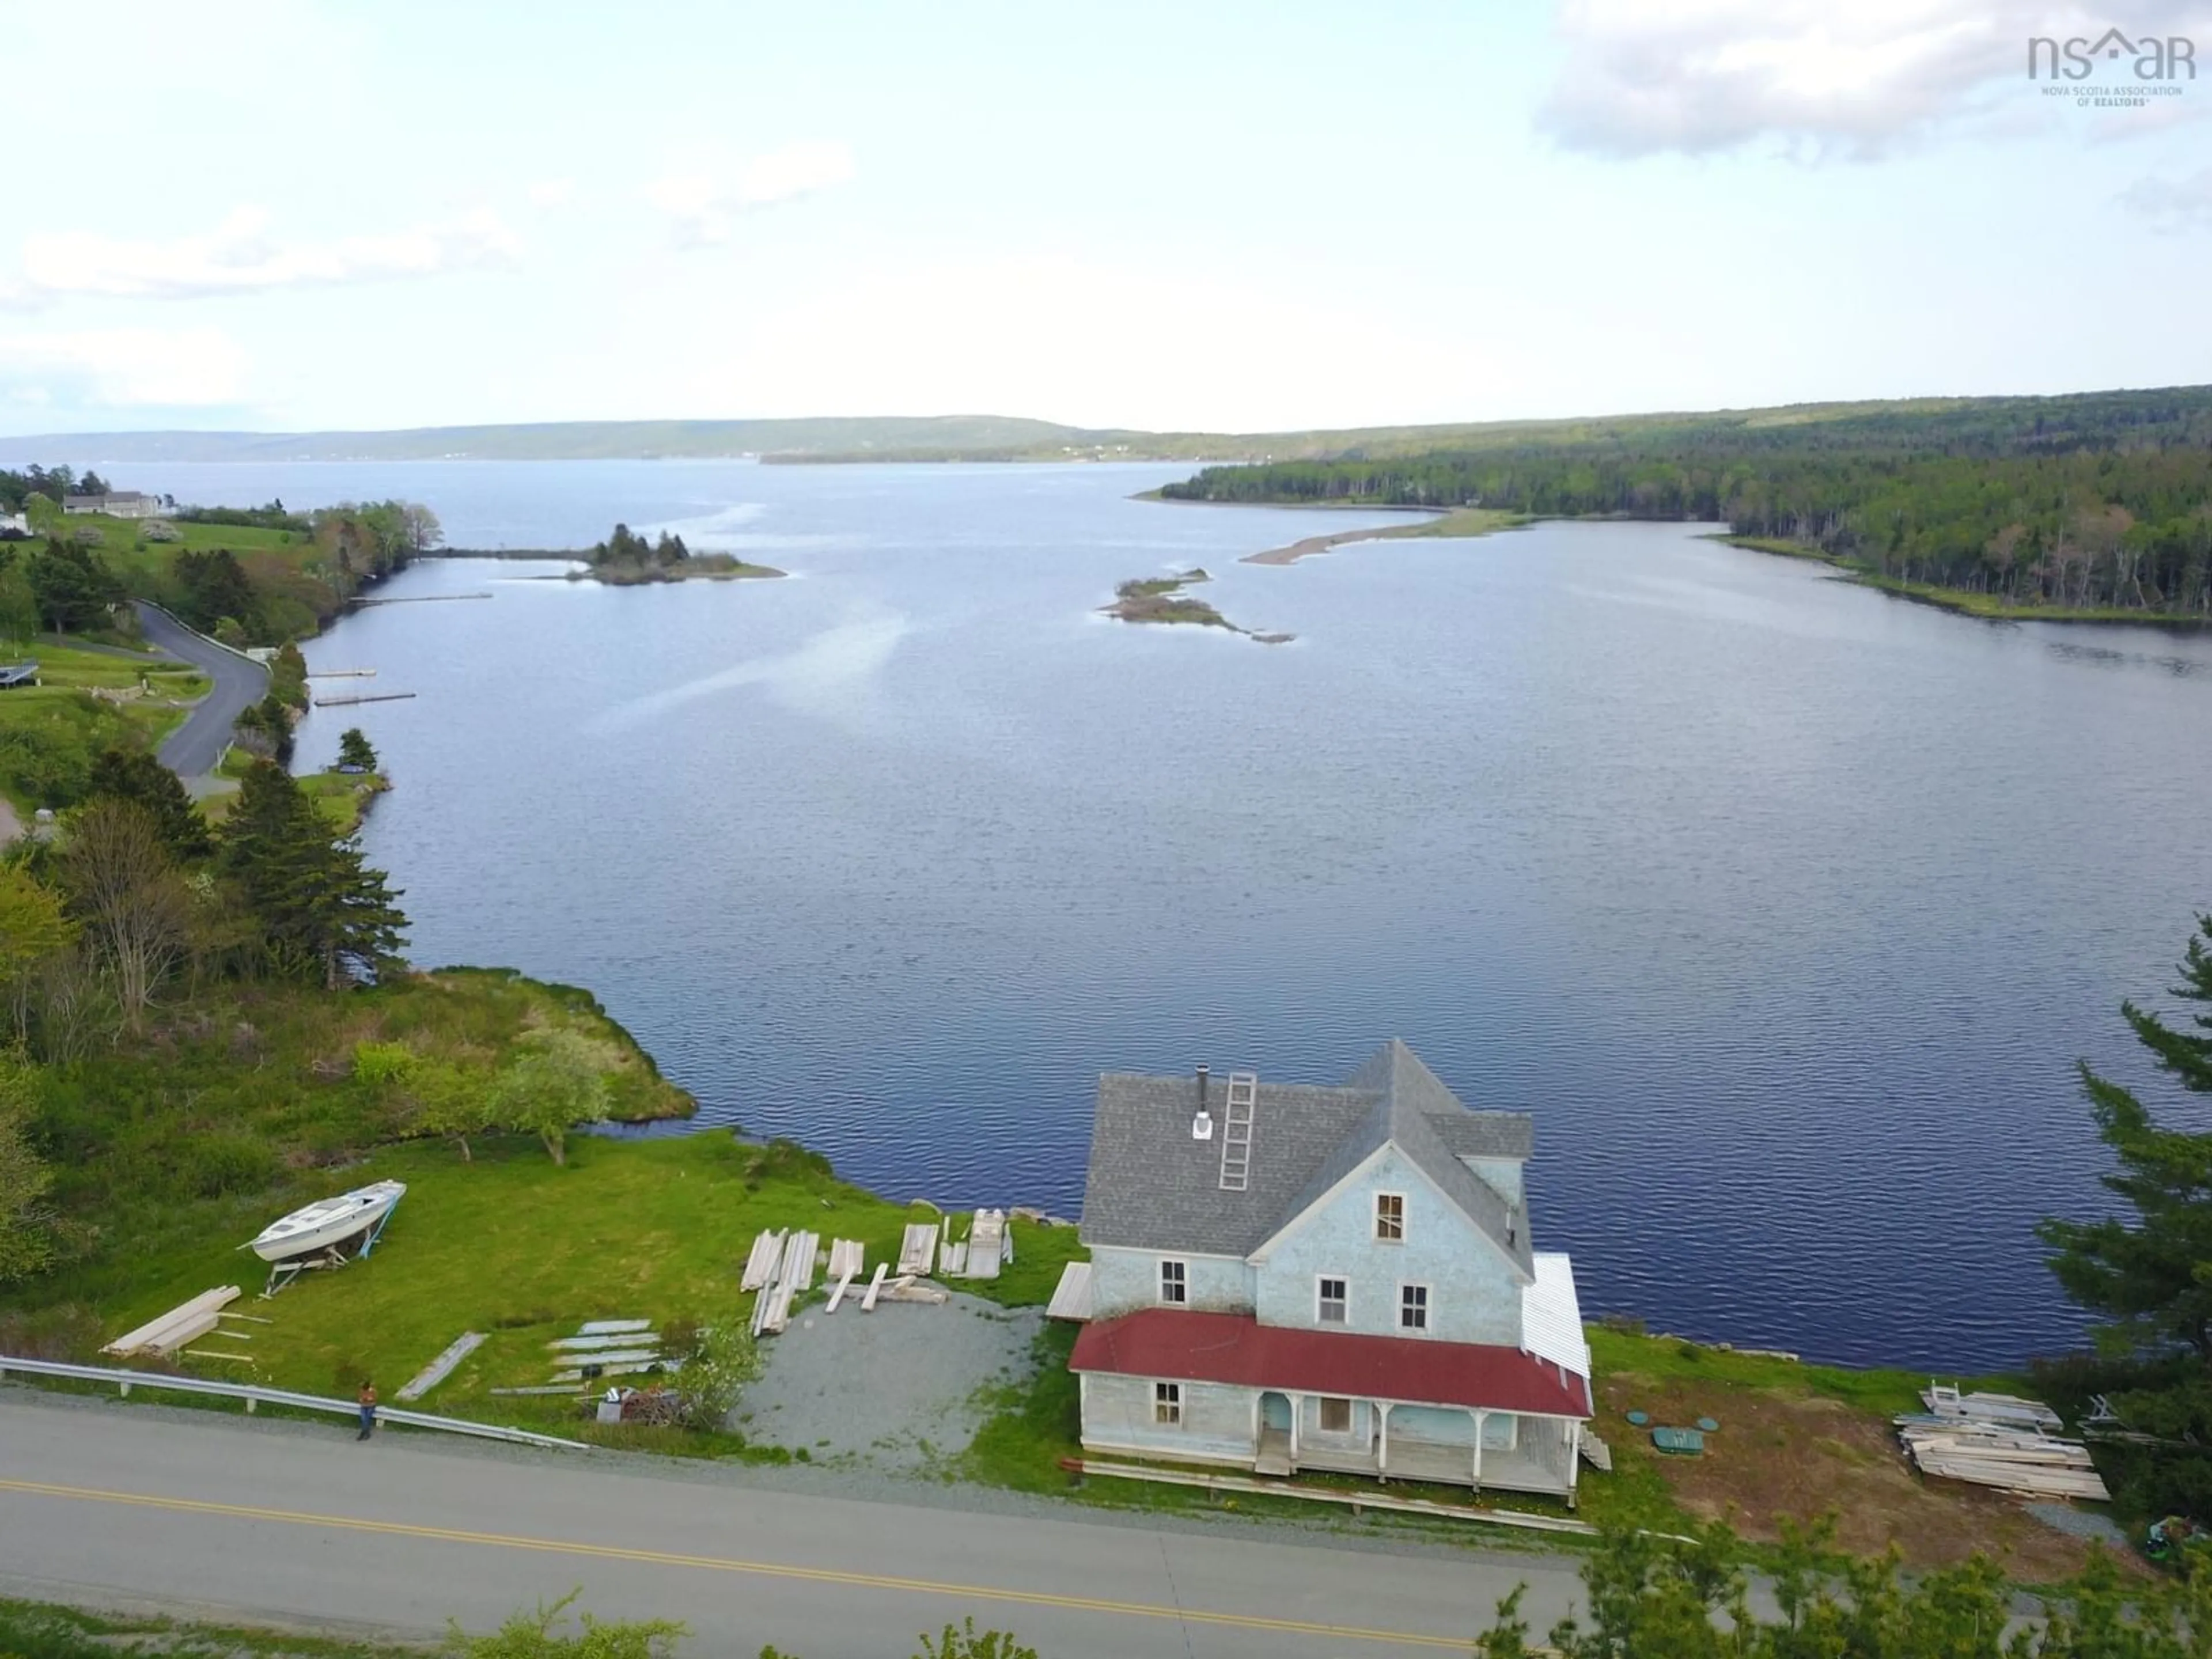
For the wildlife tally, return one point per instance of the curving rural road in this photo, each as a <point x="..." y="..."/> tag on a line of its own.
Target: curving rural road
<point x="104" y="1504"/>
<point x="194" y="748"/>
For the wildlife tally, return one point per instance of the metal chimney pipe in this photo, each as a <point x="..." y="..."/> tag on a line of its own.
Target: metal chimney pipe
<point x="1201" y="1088"/>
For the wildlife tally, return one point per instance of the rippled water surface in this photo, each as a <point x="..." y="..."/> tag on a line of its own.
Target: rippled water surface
<point x="1786" y="908"/>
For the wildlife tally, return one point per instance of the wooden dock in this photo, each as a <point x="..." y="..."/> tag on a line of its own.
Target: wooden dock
<point x="378" y="696"/>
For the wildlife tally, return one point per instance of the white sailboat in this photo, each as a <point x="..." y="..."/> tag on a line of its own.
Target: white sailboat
<point x="327" y="1222"/>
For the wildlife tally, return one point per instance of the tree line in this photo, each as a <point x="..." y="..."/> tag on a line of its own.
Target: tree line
<point x="2103" y="501"/>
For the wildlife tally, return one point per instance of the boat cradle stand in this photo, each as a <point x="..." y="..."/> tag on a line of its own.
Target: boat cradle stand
<point x="282" y="1274"/>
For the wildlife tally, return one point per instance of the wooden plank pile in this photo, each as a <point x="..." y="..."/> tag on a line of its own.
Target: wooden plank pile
<point x="607" y="1347"/>
<point x="918" y="1250"/>
<point x="1997" y="1440"/>
<point x="990" y="1244"/>
<point x="185" y="1323"/>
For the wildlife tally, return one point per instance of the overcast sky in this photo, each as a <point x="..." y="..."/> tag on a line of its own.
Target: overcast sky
<point x="265" y="213"/>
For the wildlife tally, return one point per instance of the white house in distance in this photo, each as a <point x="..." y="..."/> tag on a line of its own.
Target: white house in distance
<point x="1284" y="1277"/>
<point x="117" y="504"/>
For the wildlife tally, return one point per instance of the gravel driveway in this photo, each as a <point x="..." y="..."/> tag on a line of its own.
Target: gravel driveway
<point x="894" y="1390"/>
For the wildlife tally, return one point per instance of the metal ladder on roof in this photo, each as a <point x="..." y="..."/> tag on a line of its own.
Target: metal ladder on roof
<point x="1237" y="1131"/>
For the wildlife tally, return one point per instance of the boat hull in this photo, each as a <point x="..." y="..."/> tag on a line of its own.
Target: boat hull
<point x="329" y="1233"/>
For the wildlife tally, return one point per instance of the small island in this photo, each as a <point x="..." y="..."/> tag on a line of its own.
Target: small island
<point x="1161" y="599"/>
<point x="627" y="559"/>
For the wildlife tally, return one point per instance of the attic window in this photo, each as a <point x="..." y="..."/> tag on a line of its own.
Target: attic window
<point x="1175" y="1282"/>
<point x="1390" y="1217"/>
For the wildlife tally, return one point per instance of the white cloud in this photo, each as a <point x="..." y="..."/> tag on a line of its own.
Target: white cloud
<point x="706" y="207"/>
<point x="239" y="256"/>
<point x="192" y="367"/>
<point x="2173" y="204"/>
<point x="1643" y="76"/>
<point x="552" y="192"/>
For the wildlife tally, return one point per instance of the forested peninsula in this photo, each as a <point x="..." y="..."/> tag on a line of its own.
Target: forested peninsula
<point x="2096" y="507"/>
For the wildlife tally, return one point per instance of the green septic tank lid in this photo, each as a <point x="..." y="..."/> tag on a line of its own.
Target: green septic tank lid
<point x="1708" y="1425"/>
<point x="1682" y="1442"/>
<point x="1639" y="1418"/>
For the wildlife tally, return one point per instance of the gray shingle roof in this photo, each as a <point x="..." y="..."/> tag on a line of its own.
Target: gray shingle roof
<point x="1151" y="1186"/>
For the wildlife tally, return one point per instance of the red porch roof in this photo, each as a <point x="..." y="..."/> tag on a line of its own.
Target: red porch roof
<point x="1173" y="1346"/>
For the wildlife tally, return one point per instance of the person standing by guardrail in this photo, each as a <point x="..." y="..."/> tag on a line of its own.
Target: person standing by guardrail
<point x="367" y="1397"/>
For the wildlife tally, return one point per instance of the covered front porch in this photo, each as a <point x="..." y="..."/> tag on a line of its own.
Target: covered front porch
<point x="1464" y="1446"/>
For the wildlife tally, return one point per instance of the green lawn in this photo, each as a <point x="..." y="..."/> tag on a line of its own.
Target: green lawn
<point x="50" y="732"/>
<point x="512" y="1245"/>
<point x="344" y="797"/>
<point x="293" y="576"/>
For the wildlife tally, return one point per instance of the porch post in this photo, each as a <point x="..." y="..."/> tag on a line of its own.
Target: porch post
<point x="1298" y="1410"/>
<point x="1574" y="1459"/>
<point x="1480" y="1418"/>
<point x="1383" y="1449"/>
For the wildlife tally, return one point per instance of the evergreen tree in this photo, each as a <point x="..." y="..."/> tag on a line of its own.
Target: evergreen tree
<point x="354" y="750"/>
<point x="71" y="587"/>
<point x="2148" y="1279"/>
<point x="135" y="775"/>
<point x="323" y="911"/>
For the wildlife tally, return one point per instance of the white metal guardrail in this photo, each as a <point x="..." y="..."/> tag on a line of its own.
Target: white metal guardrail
<point x="254" y="1395"/>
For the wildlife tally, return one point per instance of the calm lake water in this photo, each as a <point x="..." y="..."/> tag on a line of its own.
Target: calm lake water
<point x="1786" y="908"/>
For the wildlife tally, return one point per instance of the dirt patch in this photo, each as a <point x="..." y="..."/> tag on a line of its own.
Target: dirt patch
<point x="1801" y="1456"/>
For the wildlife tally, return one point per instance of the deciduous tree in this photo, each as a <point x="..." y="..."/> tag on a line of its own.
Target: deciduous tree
<point x="24" y="1244"/>
<point x="135" y="910"/>
<point x="557" y="1082"/>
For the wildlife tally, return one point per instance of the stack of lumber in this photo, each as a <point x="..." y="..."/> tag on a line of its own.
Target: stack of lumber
<point x="760" y="1266"/>
<point x="918" y="1250"/>
<point x="2007" y="1455"/>
<point x="1944" y="1401"/>
<point x="791" y="1276"/>
<point x="185" y="1323"/>
<point x="989" y="1243"/>
<point x="848" y="1257"/>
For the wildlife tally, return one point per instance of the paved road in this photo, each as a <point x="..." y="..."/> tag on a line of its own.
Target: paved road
<point x="192" y="749"/>
<point x="109" y="1504"/>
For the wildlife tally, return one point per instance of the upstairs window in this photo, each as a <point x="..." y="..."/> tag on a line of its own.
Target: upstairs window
<point x="1174" y="1283"/>
<point x="1390" y="1217"/>
<point x="1333" y="1304"/>
<point x="1412" y="1307"/>
<point x="1167" y="1404"/>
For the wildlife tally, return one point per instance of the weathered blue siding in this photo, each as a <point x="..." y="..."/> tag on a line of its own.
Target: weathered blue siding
<point x="1123" y="1281"/>
<point x="1217" y="1424"/>
<point x="1475" y="1294"/>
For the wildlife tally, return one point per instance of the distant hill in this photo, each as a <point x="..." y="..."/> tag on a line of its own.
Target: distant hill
<point x="560" y="440"/>
<point x="1941" y="424"/>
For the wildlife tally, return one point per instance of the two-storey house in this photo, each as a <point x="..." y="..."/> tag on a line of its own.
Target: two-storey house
<point x="1288" y="1277"/>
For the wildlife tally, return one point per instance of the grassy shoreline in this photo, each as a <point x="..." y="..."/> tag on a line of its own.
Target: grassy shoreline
<point x="1988" y="607"/>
